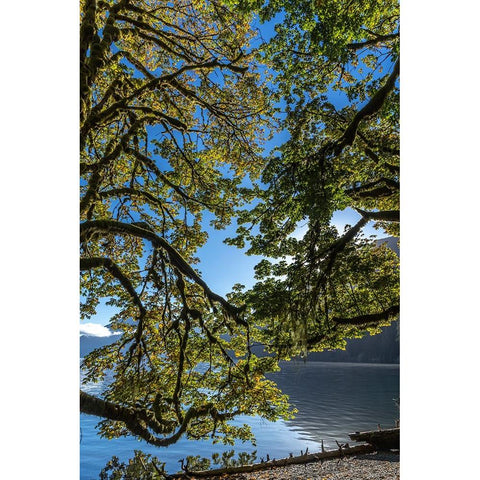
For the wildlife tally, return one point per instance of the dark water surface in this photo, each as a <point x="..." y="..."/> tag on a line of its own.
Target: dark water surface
<point x="333" y="399"/>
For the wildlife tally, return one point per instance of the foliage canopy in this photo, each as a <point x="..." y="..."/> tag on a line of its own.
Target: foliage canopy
<point x="172" y="107"/>
<point x="337" y="68"/>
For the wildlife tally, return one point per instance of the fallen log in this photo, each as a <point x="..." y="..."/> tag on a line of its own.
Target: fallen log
<point x="380" y="439"/>
<point x="312" y="457"/>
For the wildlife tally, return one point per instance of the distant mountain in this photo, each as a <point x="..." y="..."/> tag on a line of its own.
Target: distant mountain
<point x="392" y="243"/>
<point x="381" y="348"/>
<point x="91" y="342"/>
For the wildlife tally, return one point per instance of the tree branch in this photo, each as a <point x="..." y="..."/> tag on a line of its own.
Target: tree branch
<point x="97" y="115"/>
<point x="111" y="266"/>
<point x="374" y="189"/>
<point x="96" y="262"/>
<point x="89" y="228"/>
<point x="342" y="242"/>
<point x="138" y="421"/>
<point x="369" y="318"/>
<point x="132" y="192"/>
<point x="372" y="107"/>
<point x="373" y="41"/>
<point x="383" y="216"/>
<point x="150" y="164"/>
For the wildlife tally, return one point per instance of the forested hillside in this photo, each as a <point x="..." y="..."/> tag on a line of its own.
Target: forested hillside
<point x="382" y="348"/>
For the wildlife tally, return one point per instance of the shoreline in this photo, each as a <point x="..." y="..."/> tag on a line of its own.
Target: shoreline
<point x="370" y="466"/>
<point x="362" y="462"/>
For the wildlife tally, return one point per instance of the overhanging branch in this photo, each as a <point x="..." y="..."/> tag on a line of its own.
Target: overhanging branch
<point x="369" y="318"/>
<point x="112" y="267"/>
<point x="372" y="42"/>
<point x="138" y="421"/>
<point x="89" y="228"/>
<point x="372" y="107"/>
<point x="382" y="216"/>
<point x="380" y="188"/>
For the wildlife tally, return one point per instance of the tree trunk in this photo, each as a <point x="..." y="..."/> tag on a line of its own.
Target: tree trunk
<point x="380" y="439"/>
<point x="313" y="457"/>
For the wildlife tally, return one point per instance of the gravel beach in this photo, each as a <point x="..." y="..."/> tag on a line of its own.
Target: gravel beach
<point x="373" y="466"/>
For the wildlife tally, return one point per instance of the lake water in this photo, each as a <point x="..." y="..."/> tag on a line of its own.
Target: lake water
<point x="333" y="399"/>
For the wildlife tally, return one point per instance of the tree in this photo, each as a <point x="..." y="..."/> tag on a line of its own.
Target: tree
<point x="172" y="107"/>
<point x="337" y="66"/>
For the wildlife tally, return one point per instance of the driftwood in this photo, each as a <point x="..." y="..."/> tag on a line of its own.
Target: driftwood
<point x="380" y="439"/>
<point x="312" y="457"/>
